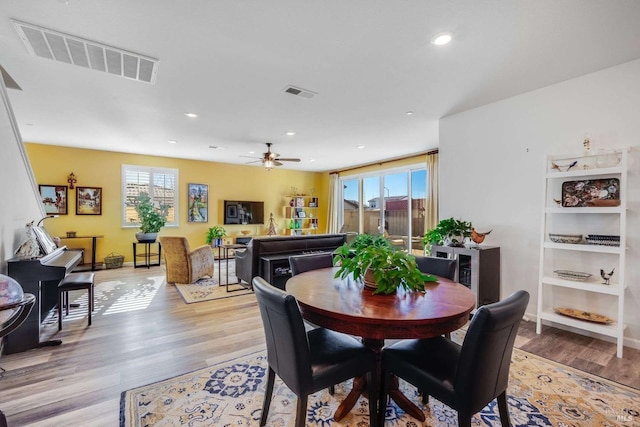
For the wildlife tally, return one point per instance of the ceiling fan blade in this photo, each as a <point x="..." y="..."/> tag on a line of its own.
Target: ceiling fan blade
<point x="255" y="161"/>
<point x="277" y="163"/>
<point x="287" y="160"/>
<point x="252" y="157"/>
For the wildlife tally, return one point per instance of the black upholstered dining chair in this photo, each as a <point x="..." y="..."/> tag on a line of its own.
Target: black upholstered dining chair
<point x="308" y="361"/>
<point x="306" y="262"/>
<point x="464" y="377"/>
<point x="442" y="267"/>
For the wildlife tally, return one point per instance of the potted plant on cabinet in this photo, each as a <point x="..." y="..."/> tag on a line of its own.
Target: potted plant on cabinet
<point x="215" y="235"/>
<point x="151" y="219"/>
<point x="379" y="265"/>
<point x="449" y="232"/>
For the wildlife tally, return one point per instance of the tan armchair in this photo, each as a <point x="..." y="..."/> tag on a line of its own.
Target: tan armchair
<point x="183" y="265"/>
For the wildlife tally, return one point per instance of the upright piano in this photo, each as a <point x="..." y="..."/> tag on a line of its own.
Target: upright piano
<point x="39" y="276"/>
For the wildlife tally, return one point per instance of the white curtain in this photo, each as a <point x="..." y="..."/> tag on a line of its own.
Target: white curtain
<point x="334" y="203"/>
<point x="431" y="214"/>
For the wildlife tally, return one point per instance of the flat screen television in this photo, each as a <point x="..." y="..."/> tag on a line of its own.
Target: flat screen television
<point x="243" y="212"/>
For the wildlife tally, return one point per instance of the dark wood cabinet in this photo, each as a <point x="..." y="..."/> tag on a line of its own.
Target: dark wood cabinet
<point x="477" y="268"/>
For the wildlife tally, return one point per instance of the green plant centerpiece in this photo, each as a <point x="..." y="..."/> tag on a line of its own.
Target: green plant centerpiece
<point x="151" y="218"/>
<point x="215" y="235"/>
<point x="449" y="232"/>
<point x="374" y="256"/>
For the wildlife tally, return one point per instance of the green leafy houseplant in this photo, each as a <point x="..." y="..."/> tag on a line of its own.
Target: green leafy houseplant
<point x="214" y="233"/>
<point x="450" y="231"/>
<point x="151" y="219"/>
<point x="391" y="268"/>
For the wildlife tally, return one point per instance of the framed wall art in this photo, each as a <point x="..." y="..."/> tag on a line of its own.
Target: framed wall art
<point x="198" y="203"/>
<point x="54" y="199"/>
<point x="88" y="200"/>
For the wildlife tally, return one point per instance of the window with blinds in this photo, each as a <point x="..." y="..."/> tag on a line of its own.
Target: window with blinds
<point x="160" y="183"/>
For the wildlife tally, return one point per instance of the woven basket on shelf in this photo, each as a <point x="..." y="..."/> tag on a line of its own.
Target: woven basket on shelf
<point x="113" y="260"/>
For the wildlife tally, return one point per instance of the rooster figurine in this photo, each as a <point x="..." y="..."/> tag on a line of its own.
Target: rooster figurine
<point x="606" y="276"/>
<point x="478" y="237"/>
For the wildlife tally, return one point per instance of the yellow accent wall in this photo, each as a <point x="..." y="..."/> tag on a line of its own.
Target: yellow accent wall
<point x="92" y="168"/>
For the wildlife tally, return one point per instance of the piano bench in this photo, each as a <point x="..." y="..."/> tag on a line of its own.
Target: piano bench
<point x="74" y="282"/>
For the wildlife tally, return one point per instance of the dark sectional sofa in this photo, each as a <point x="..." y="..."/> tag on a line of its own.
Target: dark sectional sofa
<point x="268" y="257"/>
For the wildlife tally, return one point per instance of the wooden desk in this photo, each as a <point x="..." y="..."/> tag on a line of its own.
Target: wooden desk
<point x="93" y="247"/>
<point x="346" y="306"/>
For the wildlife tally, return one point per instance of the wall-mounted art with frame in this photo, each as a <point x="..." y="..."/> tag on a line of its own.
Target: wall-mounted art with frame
<point x="232" y="211"/>
<point x="54" y="199"/>
<point x="88" y="200"/>
<point x="198" y="203"/>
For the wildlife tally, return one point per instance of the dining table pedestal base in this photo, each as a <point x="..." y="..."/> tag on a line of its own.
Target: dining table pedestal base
<point x="360" y="388"/>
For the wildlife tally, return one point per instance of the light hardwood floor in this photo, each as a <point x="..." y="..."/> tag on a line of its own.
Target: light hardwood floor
<point x="145" y="333"/>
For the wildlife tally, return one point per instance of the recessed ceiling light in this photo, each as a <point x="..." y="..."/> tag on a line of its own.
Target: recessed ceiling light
<point x="252" y="152"/>
<point x="291" y="133"/>
<point x="172" y="141"/>
<point x="312" y="160"/>
<point x="441" y="39"/>
<point x="360" y="146"/>
<point x="216" y="147"/>
<point x="192" y="115"/>
<point x="409" y="113"/>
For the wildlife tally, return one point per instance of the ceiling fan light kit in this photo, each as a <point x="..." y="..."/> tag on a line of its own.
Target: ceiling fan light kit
<point x="270" y="159"/>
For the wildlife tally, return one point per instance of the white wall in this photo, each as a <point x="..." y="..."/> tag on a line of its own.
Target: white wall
<point x="492" y="161"/>
<point x="19" y="200"/>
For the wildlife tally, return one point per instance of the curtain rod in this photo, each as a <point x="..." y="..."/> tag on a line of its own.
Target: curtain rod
<point x="384" y="161"/>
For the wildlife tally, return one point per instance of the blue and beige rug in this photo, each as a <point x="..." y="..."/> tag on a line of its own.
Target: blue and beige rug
<point x="210" y="289"/>
<point x="541" y="393"/>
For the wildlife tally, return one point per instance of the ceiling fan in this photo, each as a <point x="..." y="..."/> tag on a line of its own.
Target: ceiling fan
<point x="270" y="159"/>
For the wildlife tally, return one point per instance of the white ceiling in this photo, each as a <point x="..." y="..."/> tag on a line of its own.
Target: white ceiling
<point x="370" y="61"/>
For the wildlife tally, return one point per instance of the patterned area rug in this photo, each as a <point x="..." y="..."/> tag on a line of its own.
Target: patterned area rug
<point x="541" y="393"/>
<point x="210" y="289"/>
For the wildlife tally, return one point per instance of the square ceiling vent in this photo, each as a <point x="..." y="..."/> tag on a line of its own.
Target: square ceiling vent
<point x="73" y="50"/>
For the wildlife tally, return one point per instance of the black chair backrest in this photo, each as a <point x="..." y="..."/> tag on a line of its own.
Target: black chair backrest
<point x="287" y="344"/>
<point x="301" y="263"/>
<point x="483" y="368"/>
<point x="442" y="267"/>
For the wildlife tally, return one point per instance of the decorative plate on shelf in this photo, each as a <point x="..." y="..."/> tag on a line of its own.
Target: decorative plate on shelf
<point x="572" y="275"/>
<point x="591" y="192"/>
<point x="584" y="315"/>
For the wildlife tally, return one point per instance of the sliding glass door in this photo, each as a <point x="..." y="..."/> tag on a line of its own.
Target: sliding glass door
<point x="391" y="202"/>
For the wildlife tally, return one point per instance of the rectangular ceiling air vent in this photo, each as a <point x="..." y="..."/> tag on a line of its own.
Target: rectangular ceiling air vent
<point x="66" y="48"/>
<point x="304" y="93"/>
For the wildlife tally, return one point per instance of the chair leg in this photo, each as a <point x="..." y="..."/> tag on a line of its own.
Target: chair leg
<point x="301" y="411"/>
<point x="385" y="379"/>
<point x="60" y="298"/>
<point x="66" y="302"/>
<point x="271" y="376"/>
<point x="503" y="409"/>
<point x="425" y="396"/>
<point x="332" y="390"/>
<point x="89" y="304"/>
<point x="373" y="386"/>
<point x="464" y="420"/>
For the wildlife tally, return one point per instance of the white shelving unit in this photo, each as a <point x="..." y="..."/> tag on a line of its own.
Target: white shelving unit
<point x="590" y="295"/>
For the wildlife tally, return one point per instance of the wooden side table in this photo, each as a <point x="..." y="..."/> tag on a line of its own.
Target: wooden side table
<point x="147" y="255"/>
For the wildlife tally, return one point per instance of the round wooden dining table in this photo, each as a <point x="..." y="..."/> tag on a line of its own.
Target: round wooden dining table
<point x="345" y="305"/>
